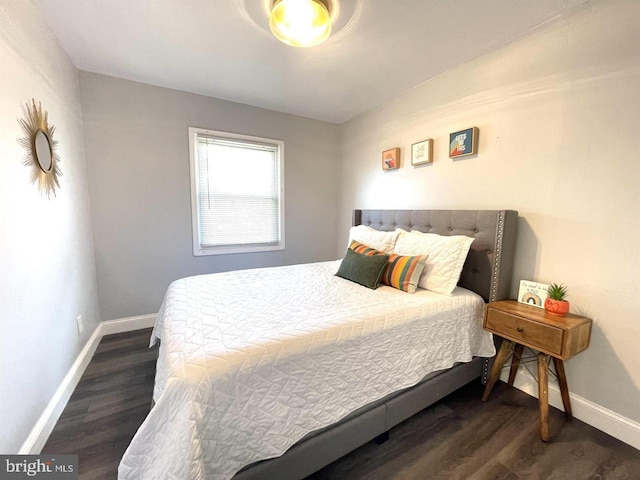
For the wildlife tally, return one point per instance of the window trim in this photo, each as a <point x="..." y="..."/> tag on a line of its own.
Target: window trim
<point x="198" y="249"/>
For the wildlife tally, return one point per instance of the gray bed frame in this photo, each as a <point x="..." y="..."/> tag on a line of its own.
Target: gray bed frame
<point x="487" y="271"/>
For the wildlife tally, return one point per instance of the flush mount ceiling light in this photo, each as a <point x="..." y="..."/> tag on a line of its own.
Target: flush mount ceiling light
<point x="300" y="23"/>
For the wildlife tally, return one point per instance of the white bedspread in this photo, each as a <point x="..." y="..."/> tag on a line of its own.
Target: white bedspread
<point x="252" y="361"/>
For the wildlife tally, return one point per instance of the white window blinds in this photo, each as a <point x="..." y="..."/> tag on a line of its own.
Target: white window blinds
<point x="238" y="193"/>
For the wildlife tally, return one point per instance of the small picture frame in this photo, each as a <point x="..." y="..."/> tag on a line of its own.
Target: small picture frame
<point x="391" y="159"/>
<point x="463" y="143"/>
<point x="532" y="293"/>
<point x="422" y="152"/>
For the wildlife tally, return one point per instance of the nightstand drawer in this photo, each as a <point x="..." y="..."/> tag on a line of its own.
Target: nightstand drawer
<point x="529" y="333"/>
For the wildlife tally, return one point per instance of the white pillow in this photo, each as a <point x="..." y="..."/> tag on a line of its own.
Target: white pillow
<point x="383" y="241"/>
<point x="446" y="256"/>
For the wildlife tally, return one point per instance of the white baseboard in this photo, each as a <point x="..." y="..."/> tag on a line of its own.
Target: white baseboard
<point x="44" y="426"/>
<point x="128" y="324"/>
<point x="597" y="416"/>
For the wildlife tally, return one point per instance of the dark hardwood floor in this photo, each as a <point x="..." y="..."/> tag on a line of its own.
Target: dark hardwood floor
<point x="108" y="405"/>
<point x="457" y="438"/>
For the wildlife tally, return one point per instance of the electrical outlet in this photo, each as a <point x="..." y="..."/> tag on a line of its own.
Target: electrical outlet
<point x="80" y="324"/>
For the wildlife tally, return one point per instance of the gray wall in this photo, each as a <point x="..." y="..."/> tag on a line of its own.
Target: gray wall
<point x="138" y="168"/>
<point x="47" y="271"/>
<point x="558" y="113"/>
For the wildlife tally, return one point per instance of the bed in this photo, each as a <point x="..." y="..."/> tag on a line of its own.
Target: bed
<point x="233" y="395"/>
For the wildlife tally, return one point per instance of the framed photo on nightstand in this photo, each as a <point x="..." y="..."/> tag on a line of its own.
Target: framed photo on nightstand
<point x="532" y="293"/>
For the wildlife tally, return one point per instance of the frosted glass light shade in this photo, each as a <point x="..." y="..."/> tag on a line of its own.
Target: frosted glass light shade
<point x="300" y="23"/>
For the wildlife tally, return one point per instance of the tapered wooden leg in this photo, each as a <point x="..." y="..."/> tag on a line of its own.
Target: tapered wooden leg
<point x="501" y="358"/>
<point x="564" y="388"/>
<point x="543" y="395"/>
<point x="515" y="362"/>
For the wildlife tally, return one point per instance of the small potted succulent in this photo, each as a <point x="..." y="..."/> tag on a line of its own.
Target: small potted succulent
<point x="555" y="302"/>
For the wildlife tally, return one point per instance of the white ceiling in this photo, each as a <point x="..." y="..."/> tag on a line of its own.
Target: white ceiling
<point x="223" y="48"/>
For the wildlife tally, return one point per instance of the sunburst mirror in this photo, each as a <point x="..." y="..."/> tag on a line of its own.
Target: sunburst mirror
<point x="40" y="145"/>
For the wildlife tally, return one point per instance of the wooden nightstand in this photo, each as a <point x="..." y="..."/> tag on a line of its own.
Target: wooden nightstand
<point x="522" y="325"/>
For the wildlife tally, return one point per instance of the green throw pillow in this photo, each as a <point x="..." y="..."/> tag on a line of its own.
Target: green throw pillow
<point x="363" y="269"/>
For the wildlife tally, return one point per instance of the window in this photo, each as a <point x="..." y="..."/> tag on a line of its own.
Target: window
<point x="237" y="192"/>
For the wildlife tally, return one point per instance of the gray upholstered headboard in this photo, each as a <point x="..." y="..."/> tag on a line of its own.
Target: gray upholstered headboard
<point x="487" y="270"/>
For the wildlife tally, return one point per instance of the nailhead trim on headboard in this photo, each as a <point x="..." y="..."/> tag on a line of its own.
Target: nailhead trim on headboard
<point x="496" y="264"/>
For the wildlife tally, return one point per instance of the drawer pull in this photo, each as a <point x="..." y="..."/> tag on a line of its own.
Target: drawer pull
<point x="520" y="329"/>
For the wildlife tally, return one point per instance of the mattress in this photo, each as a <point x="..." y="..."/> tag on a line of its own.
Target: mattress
<point x="252" y="361"/>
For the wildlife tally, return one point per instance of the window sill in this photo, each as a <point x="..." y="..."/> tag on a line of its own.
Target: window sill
<point x="201" y="252"/>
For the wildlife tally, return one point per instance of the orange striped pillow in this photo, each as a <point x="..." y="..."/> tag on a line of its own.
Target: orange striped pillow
<point x="363" y="249"/>
<point x="402" y="272"/>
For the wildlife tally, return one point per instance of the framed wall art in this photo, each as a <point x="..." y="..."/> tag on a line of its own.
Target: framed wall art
<point x="422" y="152"/>
<point x="463" y="143"/>
<point x="391" y="159"/>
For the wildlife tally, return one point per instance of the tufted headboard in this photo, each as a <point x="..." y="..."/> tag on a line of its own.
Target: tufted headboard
<point x="487" y="270"/>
